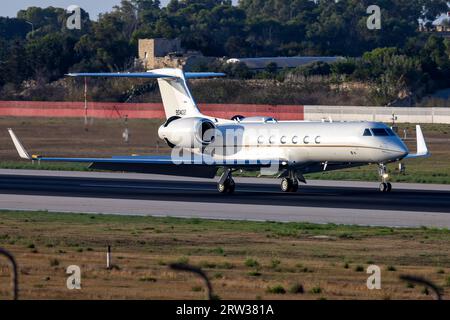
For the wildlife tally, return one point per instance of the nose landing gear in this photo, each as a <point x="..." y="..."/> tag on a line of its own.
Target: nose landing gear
<point x="385" y="185"/>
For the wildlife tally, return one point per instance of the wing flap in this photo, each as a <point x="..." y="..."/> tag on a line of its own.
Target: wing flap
<point x="163" y="169"/>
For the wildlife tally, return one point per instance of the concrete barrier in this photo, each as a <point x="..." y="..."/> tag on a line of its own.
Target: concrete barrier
<point x="381" y="114"/>
<point x="112" y="110"/>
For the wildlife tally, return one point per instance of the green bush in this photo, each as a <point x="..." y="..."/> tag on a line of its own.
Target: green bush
<point x="252" y="263"/>
<point x="359" y="269"/>
<point x="391" y="268"/>
<point x="54" y="262"/>
<point x="278" y="289"/>
<point x="296" y="289"/>
<point x="316" y="290"/>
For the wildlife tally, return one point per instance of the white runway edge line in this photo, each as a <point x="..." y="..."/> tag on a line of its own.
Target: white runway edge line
<point x="225" y="211"/>
<point x="267" y="181"/>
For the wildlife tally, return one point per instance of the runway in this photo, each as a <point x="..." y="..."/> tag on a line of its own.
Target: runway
<point x="255" y="199"/>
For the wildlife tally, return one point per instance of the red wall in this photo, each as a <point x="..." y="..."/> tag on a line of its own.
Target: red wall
<point x="141" y="110"/>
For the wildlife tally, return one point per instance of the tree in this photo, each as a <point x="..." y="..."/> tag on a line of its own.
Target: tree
<point x="11" y="28"/>
<point x="315" y="69"/>
<point x="16" y="65"/>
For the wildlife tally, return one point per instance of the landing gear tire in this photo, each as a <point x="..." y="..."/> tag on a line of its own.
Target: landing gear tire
<point x="389" y="187"/>
<point x="229" y="186"/>
<point x="386" y="187"/>
<point x="289" y="185"/>
<point x="286" y="185"/>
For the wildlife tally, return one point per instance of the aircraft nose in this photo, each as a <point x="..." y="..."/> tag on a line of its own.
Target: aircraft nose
<point x="401" y="148"/>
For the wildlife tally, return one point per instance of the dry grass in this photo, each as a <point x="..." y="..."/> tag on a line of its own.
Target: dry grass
<point x="68" y="136"/>
<point x="286" y="255"/>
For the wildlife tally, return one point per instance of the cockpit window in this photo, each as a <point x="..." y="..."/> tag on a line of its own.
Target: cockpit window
<point x="367" y="133"/>
<point x="391" y="132"/>
<point x="379" y="132"/>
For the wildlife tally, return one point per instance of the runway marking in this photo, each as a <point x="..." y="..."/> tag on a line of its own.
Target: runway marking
<point x="191" y="189"/>
<point x="142" y="187"/>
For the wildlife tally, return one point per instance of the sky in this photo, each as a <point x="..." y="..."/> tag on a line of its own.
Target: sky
<point x="10" y="8"/>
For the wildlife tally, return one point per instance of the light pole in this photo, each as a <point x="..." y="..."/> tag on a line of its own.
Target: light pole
<point x="32" y="26"/>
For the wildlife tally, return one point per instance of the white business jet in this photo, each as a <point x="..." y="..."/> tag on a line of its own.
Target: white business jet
<point x="202" y="144"/>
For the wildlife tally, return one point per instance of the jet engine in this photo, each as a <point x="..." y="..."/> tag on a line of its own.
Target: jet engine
<point x="238" y="118"/>
<point x="188" y="132"/>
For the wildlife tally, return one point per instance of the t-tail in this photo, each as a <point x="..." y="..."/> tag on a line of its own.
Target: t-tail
<point x="176" y="96"/>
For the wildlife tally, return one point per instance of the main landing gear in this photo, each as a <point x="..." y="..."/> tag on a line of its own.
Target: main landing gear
<point x="226" y="183"/>
<point x="385" y="185"/>
<point x="289" y="185"/>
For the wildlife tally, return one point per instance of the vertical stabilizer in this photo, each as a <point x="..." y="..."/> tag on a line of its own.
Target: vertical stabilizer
<point x="176" y="97"/>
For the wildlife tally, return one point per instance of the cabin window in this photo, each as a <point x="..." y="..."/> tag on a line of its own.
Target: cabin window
<point x="295" y="140"/>
<point x="306" y="140"/>
<point x="272" y="140"/>
<point x="380" y="132"/>
<point x="283" y="140"/>
<point x="367" y="133"/>
<point x="318" y="139"/>
<point x="261" y="140"/>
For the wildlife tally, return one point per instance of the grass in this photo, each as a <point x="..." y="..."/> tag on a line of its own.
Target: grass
<point x="275" y="264"/>
<point x="359" y="269"/>
<point x="197" y="289"/>
<point x="147" y="279"/>
<point x="253" y="245"/>
<point x="316" y="290"/>
<point x="296" y="289"/>
<point x="252" y="263"/>
<point x="53" y="166"/>
<point x="54" y="262"/>
<point x="391" y="268"/>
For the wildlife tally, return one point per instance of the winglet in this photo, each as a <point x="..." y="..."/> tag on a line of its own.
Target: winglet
<point x="422" y="149"/>
<point x="20" y="149"/>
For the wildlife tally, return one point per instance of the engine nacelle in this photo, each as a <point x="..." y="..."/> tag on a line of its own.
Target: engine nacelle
<point x="188" y="132"/>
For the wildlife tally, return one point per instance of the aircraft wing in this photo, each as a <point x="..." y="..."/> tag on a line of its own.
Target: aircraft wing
<point x="189" y="166"/>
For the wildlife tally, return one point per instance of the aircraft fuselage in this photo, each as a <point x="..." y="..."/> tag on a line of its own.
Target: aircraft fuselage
<point x="303" y="142"/>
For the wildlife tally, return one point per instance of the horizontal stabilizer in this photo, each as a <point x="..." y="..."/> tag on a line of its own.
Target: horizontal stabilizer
<point x="176" y="96"/>
<point x="153" y="74"/>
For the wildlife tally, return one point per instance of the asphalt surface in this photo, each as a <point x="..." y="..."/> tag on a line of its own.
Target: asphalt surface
<point x="320" y="202"/>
